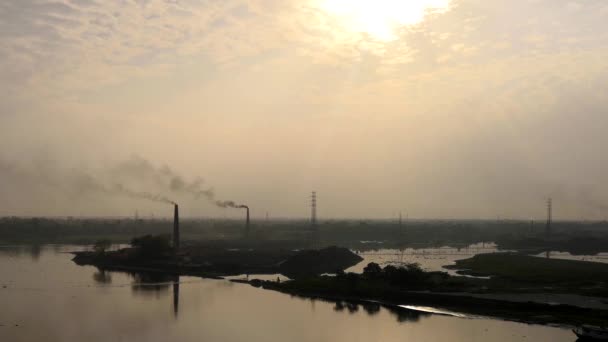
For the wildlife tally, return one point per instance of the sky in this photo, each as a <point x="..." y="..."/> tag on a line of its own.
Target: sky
<point x="436" y="108"/>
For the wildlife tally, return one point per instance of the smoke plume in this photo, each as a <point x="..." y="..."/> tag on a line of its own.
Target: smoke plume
<point x="137" y="169"/>
<point x="135" y="178"/>
<point x="120" y="189"/>
<point x="166" y="178"/>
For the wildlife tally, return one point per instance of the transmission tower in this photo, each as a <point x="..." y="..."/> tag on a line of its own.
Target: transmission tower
<point x="549" y="216"/>
<point x="313" y="209"/>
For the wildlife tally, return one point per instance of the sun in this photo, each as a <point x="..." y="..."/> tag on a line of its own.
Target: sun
<point x="380" y="19"/>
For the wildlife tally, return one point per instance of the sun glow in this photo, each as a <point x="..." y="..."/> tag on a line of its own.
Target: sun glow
<point x="381" y="19"/>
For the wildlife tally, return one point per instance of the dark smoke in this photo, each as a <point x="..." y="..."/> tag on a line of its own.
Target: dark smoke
<point x="166" y="178"/>
<point x="120" y="189"/>
<point x="123" y="179"/>
<point x="73" y="182"/>
<point x="138" y="168"/>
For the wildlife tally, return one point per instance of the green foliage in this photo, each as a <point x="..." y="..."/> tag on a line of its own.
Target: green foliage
<point x="152" y="246"/>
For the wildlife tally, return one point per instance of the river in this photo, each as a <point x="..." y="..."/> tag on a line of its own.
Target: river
<point x="429" y="259"/>
<point x="46" y="297"/>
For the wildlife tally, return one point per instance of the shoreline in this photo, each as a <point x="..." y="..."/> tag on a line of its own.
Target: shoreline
<point x="220" y="262"/>
<point x="562" y="315"/>
<point x="390" y="287"/>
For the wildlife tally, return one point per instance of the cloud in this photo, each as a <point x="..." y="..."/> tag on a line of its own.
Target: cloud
<point x="472" y="107"/>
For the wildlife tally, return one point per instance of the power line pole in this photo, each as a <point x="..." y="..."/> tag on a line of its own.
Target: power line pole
<point x="549" y="216"/>
<point x="313" y="210"/>
<point x="315" y="234"/>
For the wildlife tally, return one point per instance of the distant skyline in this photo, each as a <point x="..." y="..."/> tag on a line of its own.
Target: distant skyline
<point x="443" y="109"/>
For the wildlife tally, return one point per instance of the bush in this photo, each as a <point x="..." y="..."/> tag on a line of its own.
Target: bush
<point x="372" y="270"/>
<point x="409" y="274"/>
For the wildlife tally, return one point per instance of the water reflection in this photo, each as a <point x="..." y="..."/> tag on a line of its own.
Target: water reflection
<point x="34" y="251"/>
<point x="157" y="285"/>
<point x="402" y="315"/>
<point x="176" y="296"/>
<point x="151" y="284"/>
<point x="371" y="308"/>
<point x="429" y="258"/>
<point x="139" y="307"/>
<point x="146" y="284"/>
<point x="102" y="276"/>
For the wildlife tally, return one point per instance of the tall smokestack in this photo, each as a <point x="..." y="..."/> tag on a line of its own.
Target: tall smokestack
<point x="176" y="229"/>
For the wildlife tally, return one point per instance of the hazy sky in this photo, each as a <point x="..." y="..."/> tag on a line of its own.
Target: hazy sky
<point x="462" y="108"/>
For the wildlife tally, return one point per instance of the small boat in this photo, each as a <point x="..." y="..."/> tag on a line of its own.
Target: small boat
<point x="591" y="333"/>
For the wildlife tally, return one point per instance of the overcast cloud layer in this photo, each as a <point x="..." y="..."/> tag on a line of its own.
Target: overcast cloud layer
<point x="481" y="110"/>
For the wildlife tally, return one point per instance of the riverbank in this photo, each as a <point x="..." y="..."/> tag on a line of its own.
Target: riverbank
<point x="511" y="272"/>
<point x="461" y="304"/>
<point x="519" y="288"/>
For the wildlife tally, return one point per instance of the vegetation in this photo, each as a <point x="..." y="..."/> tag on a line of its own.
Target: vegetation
<point x="152" y="246"/>
<point x="398" y="285"/>
<point x="389" y="282"/>
<point x="534" y="270"/>
<point x="154" y="254"/>
<point x="575" y="237"/>
<point x="313" y="262"/>
<point x="101" y="246"/>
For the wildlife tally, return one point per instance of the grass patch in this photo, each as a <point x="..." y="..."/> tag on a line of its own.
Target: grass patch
<point x="529" y="269"/>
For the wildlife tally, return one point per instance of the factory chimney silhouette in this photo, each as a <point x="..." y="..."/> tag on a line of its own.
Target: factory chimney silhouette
<point x="176" y="228"/>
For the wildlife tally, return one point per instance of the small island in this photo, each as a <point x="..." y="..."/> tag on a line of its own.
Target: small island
<point x="217" y="259"/>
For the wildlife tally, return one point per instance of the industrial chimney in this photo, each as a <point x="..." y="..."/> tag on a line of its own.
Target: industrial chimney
<point x="176" y="229"/>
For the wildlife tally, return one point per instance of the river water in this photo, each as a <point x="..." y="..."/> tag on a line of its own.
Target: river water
<point x="46" y="297"/>
<point x="429" y="259"/>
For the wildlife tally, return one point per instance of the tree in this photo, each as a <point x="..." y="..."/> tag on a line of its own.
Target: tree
<point x="372" y="270"/>
<point x="152" y="246"/>
<point x="101" y="246"/>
